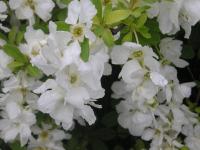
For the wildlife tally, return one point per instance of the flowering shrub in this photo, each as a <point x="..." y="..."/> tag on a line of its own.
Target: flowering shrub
<point x="99" y="74"/>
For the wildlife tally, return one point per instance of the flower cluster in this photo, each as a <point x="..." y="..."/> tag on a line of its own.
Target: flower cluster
<point x="152" y="105"/>
<point x="54" y="53"/>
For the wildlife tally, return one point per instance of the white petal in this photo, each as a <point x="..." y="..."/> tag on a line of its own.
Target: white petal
<point x="74" y="9"/>
<point x="87" y="12"/>
<point x="13" y="110"/>
<point x="158" y="79"/>
<point x="48" y="100"/>
<point x="128" y="70"/>
<point x="119" y="54"/>
<point x="88" y="114"/>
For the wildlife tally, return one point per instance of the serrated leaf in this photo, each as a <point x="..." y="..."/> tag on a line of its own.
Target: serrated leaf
<point x="117" y="16"/>
<point x="15" y="53"/>
<point x="85" y="50"/>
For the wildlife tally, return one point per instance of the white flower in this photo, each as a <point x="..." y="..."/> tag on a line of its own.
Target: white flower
<point x="120" y="54"/>
<point x="172" y="15"/>
<point x="182" y="91"/>
<point x="4" y="61"/>
<point x="63" y="104"/>
<point x="25" y="9"/>
<point x="80" y="15"/>
<point x="171" y="50"/>
<point x="16" y="121"/>
<point x="47" y="138"/>
<point x="193" y="136"/>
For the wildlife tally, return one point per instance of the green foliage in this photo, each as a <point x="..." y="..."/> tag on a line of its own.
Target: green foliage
<point x="85" y="50"/>
<point x="116" y="16"/>
<point x="62" y="26"/>
<point x="15" y="53"/>
<point x="16" y="146"/>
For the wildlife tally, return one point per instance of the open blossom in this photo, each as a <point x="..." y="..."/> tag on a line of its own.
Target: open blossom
<point x="17" y="105"/>
<point x="80" y="15"/>
<point x="47" y="138"/>
<point x="172" y="15"/>
<point x="25" y="9"/>
<point x="193" y="136"/>
<point x="152" y="95"/>
<point x="171" y="50"/>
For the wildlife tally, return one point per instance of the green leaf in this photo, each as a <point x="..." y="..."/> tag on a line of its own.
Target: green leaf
<point x="12" y="35"/>
<point x="107" y="10"/>
<point x="62" y="26"/>
<point x="3" y="36"/>
<point x="98" y="30"/>
<point x="15" y="53"/>
<point x="16" y="146"/>
<point x="128" y="37"/>
<point x="66" y="2"/>
<point x="141" y="21"/>
<point x="98" y="5"/>
<point x="144" y="31"/>
<point x="197" y="110"/>
<point x="85" y="50"/>
<point x="117" y="16"/>
<point x="19" y="37"/>
<point x="15" y="65"/>
<point x="184" y="148"/>
<point x="108" y="37"/>
<point x="154" y="31"/>
<point x="138" y="11"/>
<point x="139" y="145"/>
<point x="33" y="71"/>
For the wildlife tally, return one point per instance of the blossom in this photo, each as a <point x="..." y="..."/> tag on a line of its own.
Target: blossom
<point x="171" y="50"/>
<point x="80" y="15"/>
<point x="47" y="137"/>
<point x="172" y="15"/>
<point x="16" y="121"/>
<point x="25" y="9"/>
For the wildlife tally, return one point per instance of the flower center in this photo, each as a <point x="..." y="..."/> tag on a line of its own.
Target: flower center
<point x="138" y="54"/>
<point x="31" y="4"/>
<point x="44" y="135"/>
<point x="73" y="79"/>
<point x="77" y="31"/>
<point x="40" y="148"/>
<point x="35" y="52"/>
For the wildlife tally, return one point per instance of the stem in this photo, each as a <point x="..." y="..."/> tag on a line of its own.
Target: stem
<point x="136" y="37"/>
